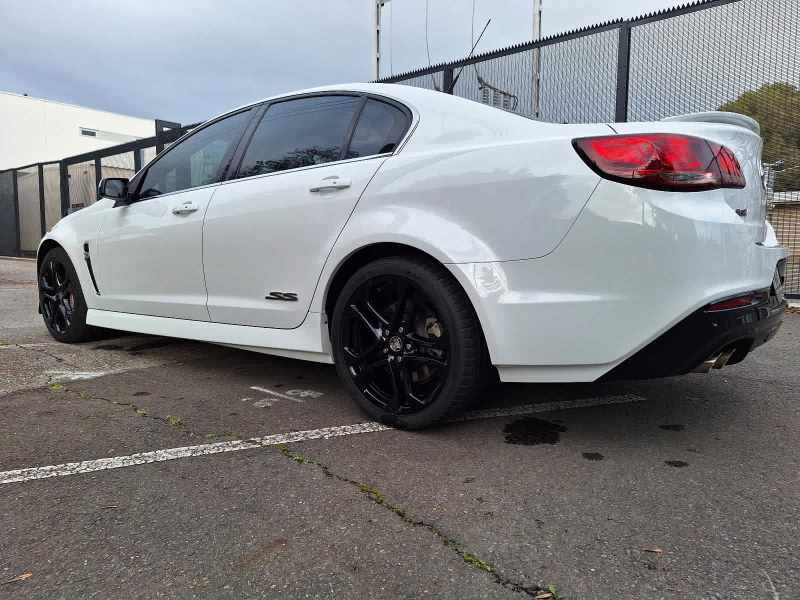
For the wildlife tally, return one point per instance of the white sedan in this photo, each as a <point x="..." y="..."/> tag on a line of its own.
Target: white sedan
<point x="426" y="243"/>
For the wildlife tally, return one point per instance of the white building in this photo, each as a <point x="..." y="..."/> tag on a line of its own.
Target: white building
<point x="36" y="130"/>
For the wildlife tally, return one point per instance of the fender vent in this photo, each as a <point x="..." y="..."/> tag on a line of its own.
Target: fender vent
<point x="88" y="260"/>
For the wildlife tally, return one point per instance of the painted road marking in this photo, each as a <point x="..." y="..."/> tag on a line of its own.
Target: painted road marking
<point x="143" y="458"/>
<point x="278" y="394"/>
<point x="63" y="376"/>
<point x="293" y="395"/>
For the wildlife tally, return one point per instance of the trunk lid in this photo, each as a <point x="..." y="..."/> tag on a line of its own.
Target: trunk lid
<point x="738" y="133"/>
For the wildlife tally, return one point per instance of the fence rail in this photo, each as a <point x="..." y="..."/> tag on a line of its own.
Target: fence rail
<point x="34" y="197"/>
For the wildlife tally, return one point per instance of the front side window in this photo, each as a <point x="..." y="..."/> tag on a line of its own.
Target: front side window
<point x="300" y="133"/>
<point x="197" y="160"/>
<point x="380" y="129"/>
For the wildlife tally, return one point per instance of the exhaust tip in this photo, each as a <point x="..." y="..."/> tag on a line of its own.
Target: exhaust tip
<point x="706" y="365"/>
<point x="723" y="358"/>
<point x="716" y="362"/>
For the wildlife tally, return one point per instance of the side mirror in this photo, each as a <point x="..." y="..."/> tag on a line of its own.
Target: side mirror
<point x="115" y="188"/>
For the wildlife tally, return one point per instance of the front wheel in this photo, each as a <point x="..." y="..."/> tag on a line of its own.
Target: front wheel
<point x="61" y="299"/>
<point x="406" y="342"/>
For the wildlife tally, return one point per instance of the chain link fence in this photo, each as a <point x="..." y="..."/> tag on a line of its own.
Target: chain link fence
<point x="735" y="55"/>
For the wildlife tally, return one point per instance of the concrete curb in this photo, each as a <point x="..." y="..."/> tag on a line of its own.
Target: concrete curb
<point x="22" y="258"/>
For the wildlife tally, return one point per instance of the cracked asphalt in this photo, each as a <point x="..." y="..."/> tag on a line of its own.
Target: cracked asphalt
<point x="687" y="487"/>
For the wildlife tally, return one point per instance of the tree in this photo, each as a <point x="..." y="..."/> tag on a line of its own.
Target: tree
<point x="776" y="107"/>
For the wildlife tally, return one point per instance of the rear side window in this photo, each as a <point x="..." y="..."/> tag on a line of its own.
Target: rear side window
<point x="380" y="129"/>
<point x="300" y="133"/>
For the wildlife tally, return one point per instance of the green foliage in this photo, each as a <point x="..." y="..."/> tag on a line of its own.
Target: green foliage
<point x="776" y="107"/>
<point x="476" y="562"/>
<point x="175" y="421"/>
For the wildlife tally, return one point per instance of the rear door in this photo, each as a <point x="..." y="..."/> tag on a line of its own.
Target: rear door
<point x="269" y="231"/>
<point x="148" y="255"/>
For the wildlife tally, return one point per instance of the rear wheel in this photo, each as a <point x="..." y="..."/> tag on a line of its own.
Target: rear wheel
<point x="406" y="342"/>
<point x="61" y="299"/>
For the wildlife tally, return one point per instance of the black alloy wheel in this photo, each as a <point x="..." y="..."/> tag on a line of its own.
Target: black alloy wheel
<point x="406" y="342"/>
<point x="61" y="299"/>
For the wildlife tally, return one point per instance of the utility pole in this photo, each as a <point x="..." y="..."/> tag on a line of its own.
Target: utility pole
<point x="537" y="64"/>
<point x="376" y="37"/>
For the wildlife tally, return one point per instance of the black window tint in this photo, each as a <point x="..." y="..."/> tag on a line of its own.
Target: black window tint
<point x="196" y="160"/>
<point x="380" y="128"/>
<point x="299" y="133"/>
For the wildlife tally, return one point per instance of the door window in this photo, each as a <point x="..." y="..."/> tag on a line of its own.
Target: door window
<point x="380" y="129"/>
<point x="300" y="133"/>
<point x="198" y="160"/>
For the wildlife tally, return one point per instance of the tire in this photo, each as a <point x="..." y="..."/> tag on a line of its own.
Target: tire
<point x="61" y="300"/>
<point x="403" y="327"/>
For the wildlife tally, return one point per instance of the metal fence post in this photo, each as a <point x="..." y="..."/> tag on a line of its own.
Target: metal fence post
<point x="162" y="127"/>
<point x="63" y="176"/>
<point x="17" y="220"/>
<point x="98" y="175"/>
<point x="623" y="72"/>
<point x="137" y="161"/>
<point x="42" y="213"/>
<point x="447" y="80"/>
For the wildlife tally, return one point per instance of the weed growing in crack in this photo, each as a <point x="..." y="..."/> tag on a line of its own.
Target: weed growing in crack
<point x="378" y="498"/>
<point x="56" y="387"/>
<point x="476" y="562"/>
<point x="173" y="420"/>
<point x="295" y="456"/>
<point x="549" y="594"/>
<point x="373" y="493"/>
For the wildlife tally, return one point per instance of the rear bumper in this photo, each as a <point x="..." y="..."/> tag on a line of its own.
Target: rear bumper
<point x="705" y="340"/>
<point x="636" y="265"/>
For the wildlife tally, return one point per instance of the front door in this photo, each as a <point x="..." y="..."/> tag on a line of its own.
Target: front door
<point x="148" y="256"/>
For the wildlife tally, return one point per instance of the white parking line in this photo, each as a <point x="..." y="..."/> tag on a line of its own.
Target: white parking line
<point x="142" y="458"/>
<point x="64" y="376"/>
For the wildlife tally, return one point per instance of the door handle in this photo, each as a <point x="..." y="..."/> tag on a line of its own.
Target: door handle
<point x="334" y="182"/>
<point x="185" y="208"/>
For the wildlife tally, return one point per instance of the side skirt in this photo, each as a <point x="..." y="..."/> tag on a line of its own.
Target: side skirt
<point x="303" y="342"/>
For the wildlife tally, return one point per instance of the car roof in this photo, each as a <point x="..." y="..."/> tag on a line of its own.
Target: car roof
<point x="415" y="98"/>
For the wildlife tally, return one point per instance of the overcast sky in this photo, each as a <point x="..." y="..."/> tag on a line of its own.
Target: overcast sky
<point x="186" y="60"/>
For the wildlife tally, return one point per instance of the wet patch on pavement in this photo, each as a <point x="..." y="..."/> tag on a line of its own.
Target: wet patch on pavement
<point x="531" y="431"/>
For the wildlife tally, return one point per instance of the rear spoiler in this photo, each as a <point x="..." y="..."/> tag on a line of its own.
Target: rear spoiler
<point x="728" y="118"/>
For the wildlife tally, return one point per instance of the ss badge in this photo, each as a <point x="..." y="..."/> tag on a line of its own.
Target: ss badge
<point x="286" y="296"/>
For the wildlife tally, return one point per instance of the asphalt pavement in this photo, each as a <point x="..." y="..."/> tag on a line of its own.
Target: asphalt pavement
<point x="147" y="467"/>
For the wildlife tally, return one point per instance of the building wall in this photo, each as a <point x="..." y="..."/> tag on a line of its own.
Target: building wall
<point x="36" y="130"/>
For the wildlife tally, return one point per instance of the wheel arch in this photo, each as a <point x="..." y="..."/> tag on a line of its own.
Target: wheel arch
<point x="360" y="257"/>
<point x="374" y="251"/>
<point x="45" y="247"/>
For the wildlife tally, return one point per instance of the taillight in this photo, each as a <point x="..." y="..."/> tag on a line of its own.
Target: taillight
<point x="742" y="301"/>
<point x="662" y="161"/>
